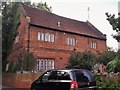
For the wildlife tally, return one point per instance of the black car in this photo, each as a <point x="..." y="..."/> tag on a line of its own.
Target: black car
<point x="71" y="79"/>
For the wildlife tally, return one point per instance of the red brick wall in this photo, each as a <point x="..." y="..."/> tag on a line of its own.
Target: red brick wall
<point x="21" y="46"/>
<point x="58" y="50"/>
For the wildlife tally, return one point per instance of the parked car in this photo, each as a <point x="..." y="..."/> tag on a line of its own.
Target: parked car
<point x="71" y="79"/>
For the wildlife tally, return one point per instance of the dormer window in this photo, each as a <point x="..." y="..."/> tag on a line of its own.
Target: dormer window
<point x="59" y="24"/>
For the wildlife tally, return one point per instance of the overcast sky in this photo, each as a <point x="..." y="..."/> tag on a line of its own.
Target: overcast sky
<point x="78" y="10"/>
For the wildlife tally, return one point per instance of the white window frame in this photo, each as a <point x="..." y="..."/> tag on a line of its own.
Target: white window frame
<point x="52" y="37"/>
<point x="45" y="64"/>
<point x="43" y="37"/>
<point x="46" y="36"/>
<point x="71" y="41"/>
<point x="39" y="35"/>
<point x="93" y="45"/>
<point x="49" y="40"/>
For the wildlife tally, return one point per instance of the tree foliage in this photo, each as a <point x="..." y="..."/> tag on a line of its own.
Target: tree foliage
<point x="25" y="62"/>
<point x="29" y="62"/>
<point x="41" y="6"/>
<point x="114" y="65"/>
<point x="105" y="57"/>
<point x="115" y="22"/>
<point x="83" y="60"/>
<point x="10" y="22"/>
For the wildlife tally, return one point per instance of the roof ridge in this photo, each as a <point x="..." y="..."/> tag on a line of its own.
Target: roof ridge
<point x="50" y="20"/>
<point x="53" y="13"/>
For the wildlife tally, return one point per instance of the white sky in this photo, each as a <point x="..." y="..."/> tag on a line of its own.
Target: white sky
<point x="78" y="9"/>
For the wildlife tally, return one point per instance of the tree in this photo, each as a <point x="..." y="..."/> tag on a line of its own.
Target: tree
<point x="114" y="65"/>
<point x="21" y="64"/>
<point x="115" y="22"/>
<point x="29" y="62"/>
<point x="10" y="22"/>
<point x="41" y="6"/>
<point x="105" y="57"/>
<point x="82" y="60"/>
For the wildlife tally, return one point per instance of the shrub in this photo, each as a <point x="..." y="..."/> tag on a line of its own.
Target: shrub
<point x="104" y="83"/>
<point x="81" y="60"/>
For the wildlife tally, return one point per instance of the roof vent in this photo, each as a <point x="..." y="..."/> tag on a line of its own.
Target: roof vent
<point x="59" y="24"/>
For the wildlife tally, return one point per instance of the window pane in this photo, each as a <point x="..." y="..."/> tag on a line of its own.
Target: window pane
<point x="46" y="76"/>
<point x="73" y="41"/>
<point x="61" y="75"/>
<point x="91" y="45"/>
<point x="38" y="35"/>
<point x="43" y="36"/>
<point x="45" y="64"/>
<point x="95" y="45"/>
<point x="46" y="37"/>
<point x="68" y="41"/>
<point x="49" y="38"/>
<point x="52" y="37"/>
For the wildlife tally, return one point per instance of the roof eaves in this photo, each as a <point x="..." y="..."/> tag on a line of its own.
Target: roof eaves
<point x="50" y="28"/>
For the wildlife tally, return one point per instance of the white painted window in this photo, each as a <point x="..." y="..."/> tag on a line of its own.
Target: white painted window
<point x="52" y="38"/>
<point x="93" y="45"/>
<point x="71" y="41"/>
<point x="49" y="38"/>
<point x="45" y="64"/>
<point x="46" y="36"/>
<point x="38" y="35"/>
<point x="43" y="37"/>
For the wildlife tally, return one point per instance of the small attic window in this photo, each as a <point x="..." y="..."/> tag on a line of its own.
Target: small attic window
<point x="59" y="24"/>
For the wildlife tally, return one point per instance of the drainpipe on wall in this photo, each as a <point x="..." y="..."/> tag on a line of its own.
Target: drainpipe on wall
<point x="28" y="18"/>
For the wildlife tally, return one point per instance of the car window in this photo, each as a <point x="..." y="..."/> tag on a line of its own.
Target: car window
<point x="89" y="75"/>
<point x="80" y="77"/>
<point x="53" y="76"/>
<point x="63" y="75"/>
<point x="59" y="75"/>
<point x="46" y="76"/>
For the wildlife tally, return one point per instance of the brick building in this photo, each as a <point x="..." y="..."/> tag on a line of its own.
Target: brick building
<point x="52" y="38"/>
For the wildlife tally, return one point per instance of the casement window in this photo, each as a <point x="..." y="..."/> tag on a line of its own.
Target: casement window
<point x="93" y="45"/>
<point x="71" y="41"/>
<point x="52" y="38"/>
<point x="45" y="64"/>
<point x="49" y="38"/>
<point x="45" y="37"/>
<point x="38" y="35"/>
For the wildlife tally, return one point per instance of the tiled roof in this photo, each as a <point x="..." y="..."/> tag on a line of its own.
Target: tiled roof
<point x="53" y="21"/>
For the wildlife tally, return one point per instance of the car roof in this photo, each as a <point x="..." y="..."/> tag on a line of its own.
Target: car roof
<point x="69" y="70"/>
